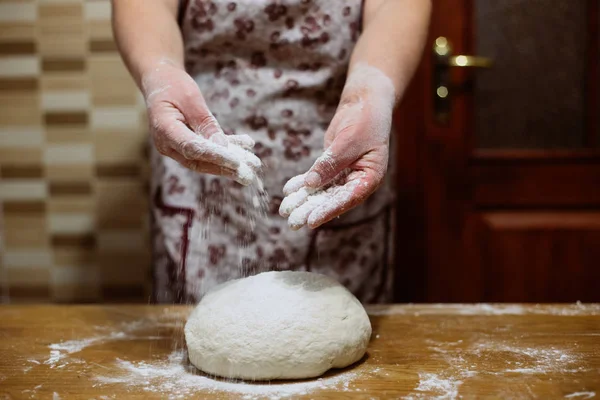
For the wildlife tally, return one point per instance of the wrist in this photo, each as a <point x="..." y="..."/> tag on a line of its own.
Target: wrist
<point x="152" y="71"/>
<point x="369" y="84"/>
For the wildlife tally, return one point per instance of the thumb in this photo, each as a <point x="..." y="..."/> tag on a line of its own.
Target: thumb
<point x="334" y="160"/>
<point x="201" y="120"/>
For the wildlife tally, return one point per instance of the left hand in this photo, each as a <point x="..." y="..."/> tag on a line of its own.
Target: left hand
<point x="354" y="163"/>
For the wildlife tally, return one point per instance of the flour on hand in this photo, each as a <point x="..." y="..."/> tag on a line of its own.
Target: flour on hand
<point x="304" y="205"/>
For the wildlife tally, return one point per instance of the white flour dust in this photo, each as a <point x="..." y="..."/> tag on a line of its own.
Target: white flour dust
<point x="486" y="309"/>
<point x="581" y="395"/>
<point x="60" y="352"/>
<point x="176" y="379"/>
<point x="448" y="387"/>
<point x="533" y="360"/>
<point x="307" y="205"/>
<point x="464" y="360"/>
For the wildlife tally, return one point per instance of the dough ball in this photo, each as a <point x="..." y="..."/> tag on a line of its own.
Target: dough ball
<point x="277" y="325"/>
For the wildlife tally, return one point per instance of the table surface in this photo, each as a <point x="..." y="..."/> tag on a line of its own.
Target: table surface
<point x="416" y="352"/>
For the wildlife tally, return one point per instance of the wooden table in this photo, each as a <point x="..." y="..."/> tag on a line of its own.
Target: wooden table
<point x="416" y="352"/>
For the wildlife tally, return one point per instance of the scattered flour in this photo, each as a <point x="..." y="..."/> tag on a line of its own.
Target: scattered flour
<point x="59" y="351"/>
<point x="175" y="378"/>
<point x="466" y="360"/>
<point x="486" y="309"/>
<point x="530" y="360"/>
<point x="443" y="387"/>
<point x="583" y="395"/>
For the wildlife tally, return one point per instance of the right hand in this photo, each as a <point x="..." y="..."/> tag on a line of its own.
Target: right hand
<point x="184" y="129"/>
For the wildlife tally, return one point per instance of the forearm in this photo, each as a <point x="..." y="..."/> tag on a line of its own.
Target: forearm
<point x="147" y="33"/>
<point x="394" y="34"/>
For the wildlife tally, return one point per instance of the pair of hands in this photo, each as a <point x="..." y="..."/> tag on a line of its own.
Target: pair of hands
<point x="351" y="168"/>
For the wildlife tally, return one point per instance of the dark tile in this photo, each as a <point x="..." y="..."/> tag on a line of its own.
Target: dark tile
<point x="70" y="188"/>
<point x="66" y="118"/>
<point x="63" y="64"/>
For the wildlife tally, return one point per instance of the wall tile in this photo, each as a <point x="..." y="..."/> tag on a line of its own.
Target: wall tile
<point x="73" y="201"/>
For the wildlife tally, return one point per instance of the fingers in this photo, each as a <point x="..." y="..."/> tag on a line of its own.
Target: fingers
<point x="193" y="147"/>
<point x="308" y="206"/>
<point x="196" y="113"/>
<point x="245" y="156"/>
<point x="294" y="200"/>
<point x="348" y="196"/>
<point x="339" y="156"/>
<point x="242" y="175"/>
<point x="243" y="140"/>
<point x="294" y="184"/>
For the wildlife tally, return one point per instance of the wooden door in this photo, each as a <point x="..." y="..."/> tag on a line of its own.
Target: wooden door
<point x="501" y="201"/>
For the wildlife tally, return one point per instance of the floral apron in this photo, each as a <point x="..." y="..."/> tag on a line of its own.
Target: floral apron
<point x="272" y="69"/>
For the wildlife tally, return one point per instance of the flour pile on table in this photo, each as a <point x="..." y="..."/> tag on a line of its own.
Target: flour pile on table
<point x="175" y="378"/>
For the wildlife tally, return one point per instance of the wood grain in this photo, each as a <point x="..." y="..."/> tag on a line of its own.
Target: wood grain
<point x="416" y="351"/>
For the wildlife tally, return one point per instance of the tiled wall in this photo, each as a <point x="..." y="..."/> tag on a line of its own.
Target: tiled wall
<point x="72" y="158"/>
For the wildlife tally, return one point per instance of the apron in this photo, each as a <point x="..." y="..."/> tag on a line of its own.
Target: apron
<point x="272" y="69"/>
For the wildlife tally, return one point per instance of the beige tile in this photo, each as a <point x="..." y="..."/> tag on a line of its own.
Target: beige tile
<point x="62" y="2"/>
<point x="63" y="45"/>
<point x="100" y="30"/>
<point x="76" y="81"/>
<point x="75" y="274"/>
<point x="116" y="198"/>
<point x="64" y="134"/>
<point x="17" y="31"/>
<point x="123" y="92"/>
<point x="97" y="10"/>
<point x="61" y="30"/>
<point x="75" y="173"/>
<point x="130" y="149"/>
<point x="121" y="240"/>
<point x="21" y="136"/>
<point x="74" y="256"/>
<point x="20" y="156"/>
<point x="25" y="237"/>
<point x="69" y="154"/>
<point x="76" y="292"/>
<point x="65" y="100"/>
<point x="70" y="223"/>
<point x="28" y="276"/>
<point x="19" y="66"/>
<point x="26" y="189"/>
<point x="27" y="258"/>
<point x="25" y="230"/>
<point x="111" y="118"/>
<point x="18" y="11"/>
<point x="61" y="12"/>
<point x="19" y="109"/>
<point x="81" y="204"/>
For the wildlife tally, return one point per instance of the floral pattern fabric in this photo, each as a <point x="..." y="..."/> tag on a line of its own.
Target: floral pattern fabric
<point x="272" y="69"/>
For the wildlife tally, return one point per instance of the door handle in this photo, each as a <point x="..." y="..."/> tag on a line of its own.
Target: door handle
<point x="444" y="60"/>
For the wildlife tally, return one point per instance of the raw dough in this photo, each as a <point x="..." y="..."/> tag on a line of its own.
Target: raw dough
<point x="277" y="325"/>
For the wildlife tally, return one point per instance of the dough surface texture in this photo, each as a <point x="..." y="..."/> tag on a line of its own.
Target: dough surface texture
<point x="277" y="325"/>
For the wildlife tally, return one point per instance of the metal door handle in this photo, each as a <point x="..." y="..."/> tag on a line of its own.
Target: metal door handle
<point x="443" y="60"/>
